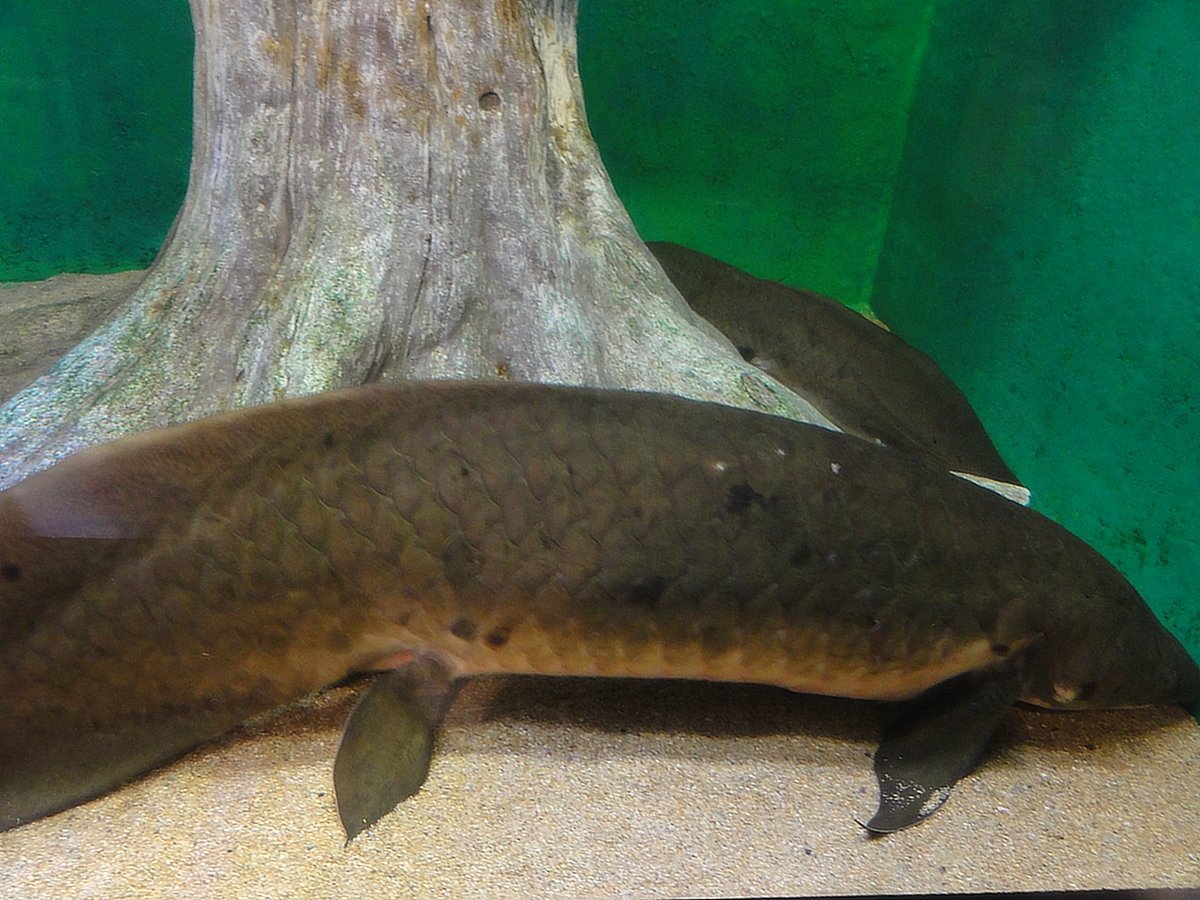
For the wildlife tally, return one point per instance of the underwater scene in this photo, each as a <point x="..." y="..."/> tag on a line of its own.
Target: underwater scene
<point x="963" y="234"/>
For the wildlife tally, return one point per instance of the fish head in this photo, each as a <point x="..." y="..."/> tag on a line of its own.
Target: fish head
<point x="1103" y="648"/>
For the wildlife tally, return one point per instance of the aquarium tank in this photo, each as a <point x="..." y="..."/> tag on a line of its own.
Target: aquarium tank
<point x="1010" y="187"/>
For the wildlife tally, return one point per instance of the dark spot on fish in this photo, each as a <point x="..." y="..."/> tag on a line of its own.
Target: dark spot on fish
<point x="489" y="100"/>
<point x="801" y="556"/>
<point x="741" y="496"/>
<point x="464" y="628"/>
<point x="464" y="472"/>
<point x="497" y="637"/>
<point x="327" y="440"/>
<point x="273" y="640"/>
<point x="646" y="591"/>
<point x="1087" y="691"/>
<point x="1000" y="649"/>
<point x="338" y="641"/>
<point x="747" y="353"/>
<point x="460" y="562"/>
<point x="10" y="571"/>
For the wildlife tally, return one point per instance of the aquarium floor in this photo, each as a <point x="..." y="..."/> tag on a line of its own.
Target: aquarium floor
<point x="548" y="787"/>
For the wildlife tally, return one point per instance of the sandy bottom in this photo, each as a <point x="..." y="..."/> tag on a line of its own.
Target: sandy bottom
<point x="581" y="788"/>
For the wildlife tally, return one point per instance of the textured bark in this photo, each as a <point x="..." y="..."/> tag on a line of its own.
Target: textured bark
<point x="41" y="320"/>
<point x="382" y="189"/>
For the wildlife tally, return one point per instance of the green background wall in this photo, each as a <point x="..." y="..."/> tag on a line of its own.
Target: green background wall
<point x="1044" y="247"/>
<point x="95" y="132"/>
<point x="765" y="132"/>
<point x="1013" y="186"/>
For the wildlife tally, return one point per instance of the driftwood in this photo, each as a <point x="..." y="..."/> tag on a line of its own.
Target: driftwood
<point x="41" y="320"/>
<point x="382" y="190"/>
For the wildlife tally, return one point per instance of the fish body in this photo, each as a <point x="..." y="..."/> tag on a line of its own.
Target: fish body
<point x="159" y="590"/>
<point x="866" y="380"/>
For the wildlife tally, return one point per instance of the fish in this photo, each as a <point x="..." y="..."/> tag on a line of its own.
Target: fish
<point x="159" y="590"/>
<point x="866" y="380"/>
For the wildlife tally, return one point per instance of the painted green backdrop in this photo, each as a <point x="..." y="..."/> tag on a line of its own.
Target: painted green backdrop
<point x="95" y="132"/>
<point x="1013" y="186"/>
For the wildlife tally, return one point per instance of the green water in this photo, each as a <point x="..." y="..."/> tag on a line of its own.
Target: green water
<point x="95" y="132"/>
<point x="1014" y="187"/>
<point x="770" y="137"/>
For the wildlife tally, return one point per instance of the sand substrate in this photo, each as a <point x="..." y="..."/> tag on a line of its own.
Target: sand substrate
<point x="583" y="788"/>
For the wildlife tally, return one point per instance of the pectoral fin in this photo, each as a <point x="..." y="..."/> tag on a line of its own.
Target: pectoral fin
<point x="388" y="741"/>
<point x="936" y="738"/>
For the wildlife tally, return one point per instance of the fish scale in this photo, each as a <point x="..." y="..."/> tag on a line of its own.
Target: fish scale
<point x="255" y="557"/>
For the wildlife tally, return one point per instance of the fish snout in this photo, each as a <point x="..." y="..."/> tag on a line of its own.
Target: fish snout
<point x="1153" y="672"/>
<point x="1111" y="656"/>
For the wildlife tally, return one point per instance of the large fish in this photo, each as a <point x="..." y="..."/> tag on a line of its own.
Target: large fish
<point x="863" y="378"/>
<point x="159" y="590"/>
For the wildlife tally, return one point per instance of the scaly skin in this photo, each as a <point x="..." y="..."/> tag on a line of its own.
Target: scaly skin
<point x="865" y="379"/>
<point x="157" y="591"/>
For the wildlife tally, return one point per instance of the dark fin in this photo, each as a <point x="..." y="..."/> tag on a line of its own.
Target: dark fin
<point x="935" y="739"/>
<point x="387" y="743"/>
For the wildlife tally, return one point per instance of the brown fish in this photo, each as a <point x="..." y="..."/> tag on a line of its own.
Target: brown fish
<point x="159" y="590"/>
<point x="863" y="378"/>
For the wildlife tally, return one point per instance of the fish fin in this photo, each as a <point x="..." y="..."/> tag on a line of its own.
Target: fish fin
<point x="935" y="739"/>
<point x="52" y="765"/>
<point x="388" y="742"/>
<point x="1017" y="493"/>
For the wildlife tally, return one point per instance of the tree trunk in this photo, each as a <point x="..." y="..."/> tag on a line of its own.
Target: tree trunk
<point x="380" y="190"/>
